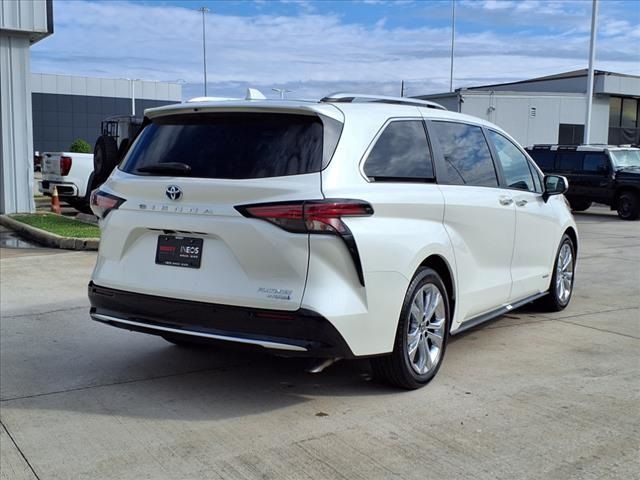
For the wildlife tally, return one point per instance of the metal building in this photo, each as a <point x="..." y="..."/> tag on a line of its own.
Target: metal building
<point x="66" y="108"/>
<point x="21" y="25"/>
<point x="552" y="109"/>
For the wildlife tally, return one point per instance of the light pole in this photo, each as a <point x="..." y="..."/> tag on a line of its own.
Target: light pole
<point x="204" y="48"/>
<point x="132" y="89"/>
<point x="592" y="57"/>
<point x="133" y="97"/>
<point x="281" y="91"/>
<point x="453" y="41"/>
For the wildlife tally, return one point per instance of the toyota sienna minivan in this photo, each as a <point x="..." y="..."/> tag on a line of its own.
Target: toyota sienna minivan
<point x="354" y="226"/>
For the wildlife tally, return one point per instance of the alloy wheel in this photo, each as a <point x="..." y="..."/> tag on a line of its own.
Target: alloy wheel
<point x="564" y="273"/>
<point x="426" y="329"/>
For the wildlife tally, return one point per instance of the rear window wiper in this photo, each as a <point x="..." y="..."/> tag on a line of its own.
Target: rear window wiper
<point x="168" y="167"/>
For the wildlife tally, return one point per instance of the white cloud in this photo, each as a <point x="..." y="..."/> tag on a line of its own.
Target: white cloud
<point x="314" y="53"/>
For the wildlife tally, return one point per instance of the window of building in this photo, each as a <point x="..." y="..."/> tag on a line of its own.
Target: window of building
<point x="570" y="134"/>
<point x="624" y="121"/>
<point x="515" y="165"/>
<point x="401" y="153"/>
<point x="629" y="113"/>
<point x="467" y="158"/>
<point x="615" y="111"/>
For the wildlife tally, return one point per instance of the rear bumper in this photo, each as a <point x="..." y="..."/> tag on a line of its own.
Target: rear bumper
<point x="64" y="189"/>
<point x="300" y="333"/>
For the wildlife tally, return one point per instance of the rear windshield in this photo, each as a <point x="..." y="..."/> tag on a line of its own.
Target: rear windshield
<point x="230" y="145"/>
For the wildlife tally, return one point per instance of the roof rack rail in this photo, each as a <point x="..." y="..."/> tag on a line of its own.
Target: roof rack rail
<point x="342" y="97"/>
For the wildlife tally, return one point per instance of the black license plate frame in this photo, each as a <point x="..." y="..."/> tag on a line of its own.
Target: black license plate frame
<point x="179" y="251"/>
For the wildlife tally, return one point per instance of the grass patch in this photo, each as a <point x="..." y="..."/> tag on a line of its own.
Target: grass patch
<point x="63" y="226"/>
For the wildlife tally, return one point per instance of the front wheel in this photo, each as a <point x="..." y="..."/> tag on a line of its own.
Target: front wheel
<point x="628" y="206"/>
<point x="421" y="338"/>
<point x="561" y="287"/>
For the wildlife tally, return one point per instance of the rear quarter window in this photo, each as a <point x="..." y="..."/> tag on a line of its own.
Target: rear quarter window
<point x="569" y="160"/>
<point x="400" y="153"/>
<point x="545" y="159"/>
<point x="233" y="145"/>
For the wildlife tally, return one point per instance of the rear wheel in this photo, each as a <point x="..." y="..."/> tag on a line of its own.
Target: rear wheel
<point x="579" y="204"/>
<point x="628" y="206"/>
<point x="421" y="338"/>
<point x="83" y="204"/>
<point x="561" y="287"/>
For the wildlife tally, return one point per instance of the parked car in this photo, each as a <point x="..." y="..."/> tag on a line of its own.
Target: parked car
<point x="37" y="162"/>
<point x="71" y="173"/>
<point x="354" y="226"/>
<point x="116" y="134"/>
<point x="596" y="173"/>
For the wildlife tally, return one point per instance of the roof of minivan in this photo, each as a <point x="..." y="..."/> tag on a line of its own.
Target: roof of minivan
<point x="314" y="106"/>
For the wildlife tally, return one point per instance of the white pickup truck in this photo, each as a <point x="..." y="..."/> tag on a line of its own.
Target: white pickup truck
<point x="71" y="173"/>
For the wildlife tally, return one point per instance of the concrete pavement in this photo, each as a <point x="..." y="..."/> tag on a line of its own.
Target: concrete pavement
<point x="531" y="395"/>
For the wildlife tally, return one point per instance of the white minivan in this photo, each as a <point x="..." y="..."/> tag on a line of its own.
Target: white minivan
<point x="353" y="226"/>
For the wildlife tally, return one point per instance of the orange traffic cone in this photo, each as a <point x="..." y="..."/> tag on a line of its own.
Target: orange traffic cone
<point x="55" y="201"/>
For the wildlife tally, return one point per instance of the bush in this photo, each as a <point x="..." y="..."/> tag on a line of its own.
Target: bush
<point x="80" y="146"/>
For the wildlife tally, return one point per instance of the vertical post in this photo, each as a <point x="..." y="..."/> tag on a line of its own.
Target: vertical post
<point x="133" y="97"/>
<point x="402" y="88"/>
<point x="204" y="48"/>
<point x="453" y="41"/>
<point x="592" y="57"/>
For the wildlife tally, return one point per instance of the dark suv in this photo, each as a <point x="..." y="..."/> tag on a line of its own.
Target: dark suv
<point x="596" y="173"/>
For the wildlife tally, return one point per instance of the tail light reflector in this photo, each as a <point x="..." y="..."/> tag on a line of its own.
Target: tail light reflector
<point x="65" y="165"/>
<point x="102" y="203"/>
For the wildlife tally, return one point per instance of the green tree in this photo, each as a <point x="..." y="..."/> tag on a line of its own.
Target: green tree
<point x="80" y="146"/>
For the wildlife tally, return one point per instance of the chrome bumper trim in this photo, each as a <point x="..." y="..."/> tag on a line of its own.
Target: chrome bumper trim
<point x="263" y="343"/>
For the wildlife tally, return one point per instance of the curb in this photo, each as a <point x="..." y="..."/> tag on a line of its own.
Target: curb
<point x="49" y="239"/>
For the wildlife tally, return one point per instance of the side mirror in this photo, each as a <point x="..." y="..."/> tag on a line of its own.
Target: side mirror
<point x="554" y="185"/>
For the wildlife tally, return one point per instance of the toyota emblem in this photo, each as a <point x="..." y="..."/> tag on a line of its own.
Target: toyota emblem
<point x="174" y="192"/>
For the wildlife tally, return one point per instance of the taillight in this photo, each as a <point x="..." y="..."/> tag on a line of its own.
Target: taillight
<point x="314" y="216"/>
<point x="310" y="216"/>
<point x="102" y="203"/>
<point x="65" y="165"/>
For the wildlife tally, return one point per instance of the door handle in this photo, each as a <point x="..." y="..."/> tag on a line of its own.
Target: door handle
<point x="506" y="201"/>
<point x="521" y="203"/>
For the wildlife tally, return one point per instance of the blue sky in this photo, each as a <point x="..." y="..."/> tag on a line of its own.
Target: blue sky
<point x="316" y="47"/>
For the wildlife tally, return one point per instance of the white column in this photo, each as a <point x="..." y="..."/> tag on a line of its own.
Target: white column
<point x="16" y="130"/>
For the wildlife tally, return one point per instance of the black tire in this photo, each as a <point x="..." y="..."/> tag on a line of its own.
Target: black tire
<point x="105" y="158"/>
<point x="552" y="301"/>
<point x="628" y="206"/>
<point x="579" y="204"/>
<point x="80" y="204"/>
<point x="84" y="204"/>
<point x="396" y="367"/>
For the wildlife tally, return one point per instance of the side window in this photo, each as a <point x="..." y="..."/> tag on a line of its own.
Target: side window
<point x="401" y="153"/>
<point x="595" y="162"/>
<point x="467" y="159"/>
<point x="570" y="160"/>
<point x="545" y="158"/>
<point x="515" y="165"/>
